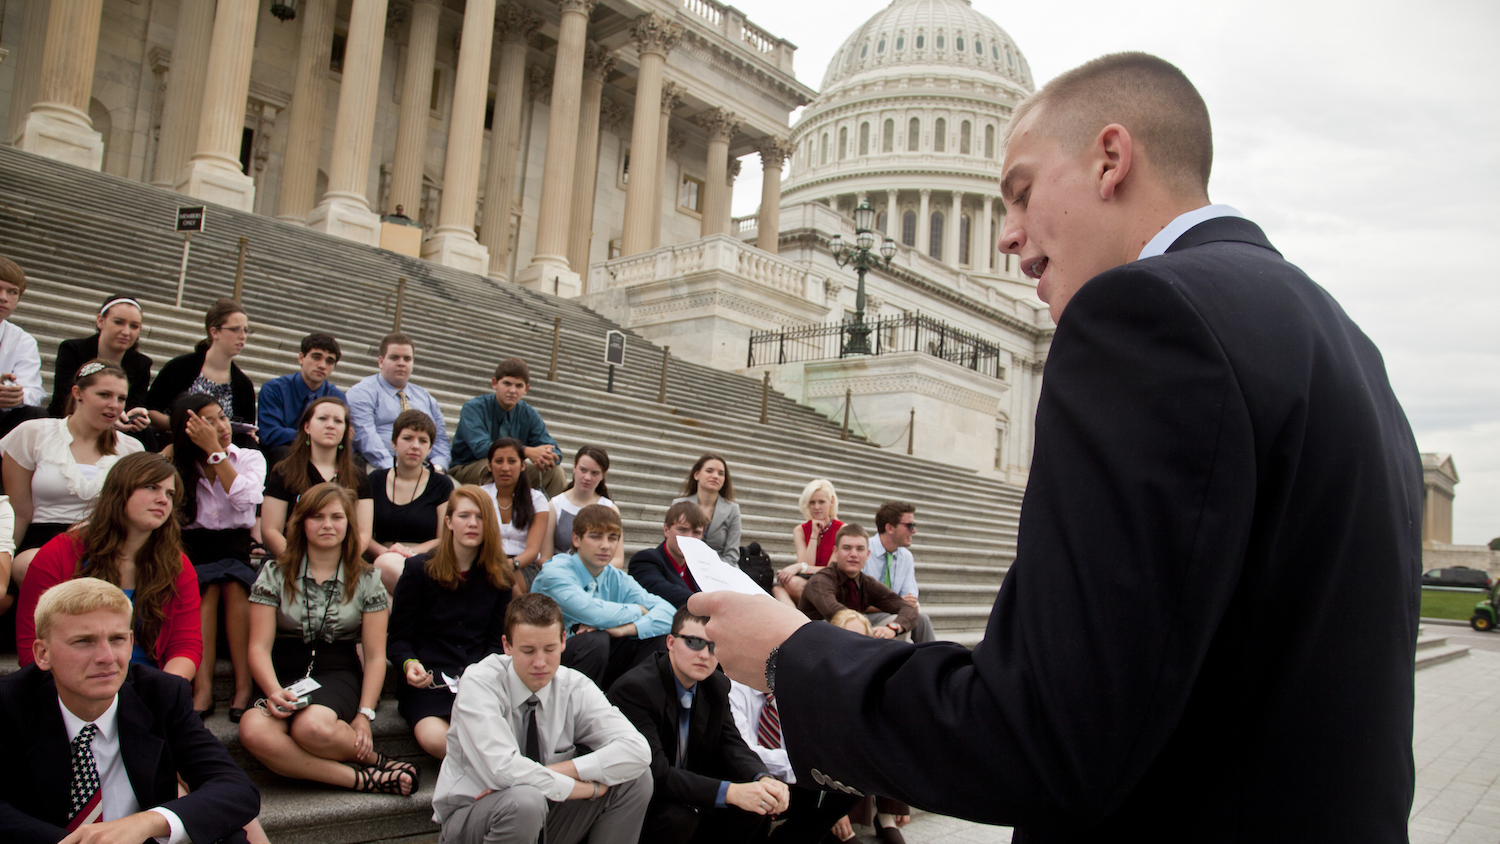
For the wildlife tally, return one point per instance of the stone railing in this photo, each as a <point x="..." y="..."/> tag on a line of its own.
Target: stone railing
<point x="732" y="24"/>
<point x="743" y="227"/>
<point x="716" y="253"/>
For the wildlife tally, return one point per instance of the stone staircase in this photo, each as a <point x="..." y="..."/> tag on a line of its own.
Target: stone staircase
<point x="82" y="235"/>
<point x="1436" y="650"/>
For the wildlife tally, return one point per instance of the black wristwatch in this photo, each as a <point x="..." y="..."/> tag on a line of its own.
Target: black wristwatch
<point x="771" y="669"/>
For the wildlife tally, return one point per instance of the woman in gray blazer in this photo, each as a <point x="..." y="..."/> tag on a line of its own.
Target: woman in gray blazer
<point x="708" y="485"/>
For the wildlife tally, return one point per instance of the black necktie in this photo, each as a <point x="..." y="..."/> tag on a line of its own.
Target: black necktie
<point x="533" y="740"/>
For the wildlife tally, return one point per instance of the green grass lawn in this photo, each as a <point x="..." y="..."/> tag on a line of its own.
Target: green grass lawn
<point x="1459" y="605"/>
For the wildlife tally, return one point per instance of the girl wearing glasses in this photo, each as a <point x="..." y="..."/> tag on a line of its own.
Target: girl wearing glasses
<point x="210" y="369"/>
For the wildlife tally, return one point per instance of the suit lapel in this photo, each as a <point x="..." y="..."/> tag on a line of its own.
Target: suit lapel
<point x="139" y="749"/>
<point x="1235" y="229"/>
<point x="51" y="760"/>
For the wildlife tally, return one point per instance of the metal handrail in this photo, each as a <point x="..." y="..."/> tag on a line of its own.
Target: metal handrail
<point x="907" y="333"/>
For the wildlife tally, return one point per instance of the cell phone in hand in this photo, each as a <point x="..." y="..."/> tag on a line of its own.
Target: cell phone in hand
<point x="243" y="427"/>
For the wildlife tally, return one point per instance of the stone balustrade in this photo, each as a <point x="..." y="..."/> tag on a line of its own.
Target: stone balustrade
<point x="719" y="253"/>
<point x="732" y="24"/>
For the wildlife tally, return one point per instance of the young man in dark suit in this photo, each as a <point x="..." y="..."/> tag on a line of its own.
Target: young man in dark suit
<point x="1208" y="630"/>
<point x="93" y="741"/>
<point x="710" y="787"/>
<point x="663" y="570"/>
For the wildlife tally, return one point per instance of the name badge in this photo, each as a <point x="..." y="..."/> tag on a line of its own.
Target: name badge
<point x="306" y="685"/>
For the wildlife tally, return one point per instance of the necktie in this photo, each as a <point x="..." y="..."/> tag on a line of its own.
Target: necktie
<point x="889" y="564"/>
<point x="533" y="740"/>
<point x="684" y="717"/>
<point x="851" y="595"/>
<point x="401" y="397"/>
<point x="86" y="804"/>
<point x="768" y="731"/>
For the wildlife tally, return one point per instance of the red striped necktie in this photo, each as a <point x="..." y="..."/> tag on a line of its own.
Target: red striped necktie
<point x="86" y="803"/>
<point x="768" y="731"/>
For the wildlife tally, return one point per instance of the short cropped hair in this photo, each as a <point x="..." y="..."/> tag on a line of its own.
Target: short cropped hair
<point x="79" y="596"/>
<point x="683" y="616"/>
<point x="395" y="338"/>
<point x="1147" y="95"/>
<point x="534" y="609"/>
<point x="322" y="342"/>
<point x="890" y="513"/>
<point x="817" y="485"/>
<point x="850" y="529"/>
<point x="688" y="511"/>
<point x="513" y="368"/>
<point x="845" y="615"/>
<point x="11" y="272"/>
<point x="415" y="420"/>
<point x="596" y="517"/>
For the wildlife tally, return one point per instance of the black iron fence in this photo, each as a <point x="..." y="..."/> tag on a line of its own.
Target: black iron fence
<point x="910" y="333"/>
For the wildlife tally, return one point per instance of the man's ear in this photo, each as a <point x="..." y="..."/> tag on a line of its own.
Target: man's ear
<point x="505" y="643"/>
<point x="40" y="655"/>
<point x="1114" y="150"/>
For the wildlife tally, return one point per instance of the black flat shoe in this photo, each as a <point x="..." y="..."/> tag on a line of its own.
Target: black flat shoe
<point x="205" y="714"/>
<point x="235" y="712"/>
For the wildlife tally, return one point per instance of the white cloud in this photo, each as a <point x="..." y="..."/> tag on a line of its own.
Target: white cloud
<point x="1363" y="136"/>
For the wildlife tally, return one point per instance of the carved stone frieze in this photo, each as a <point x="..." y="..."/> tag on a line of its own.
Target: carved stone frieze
<point x="584" y="7"/>
<point x="876" y="385"/>
<point x="654" y="33"/>
<point x="671" y="97"/>
<point x="598" y="61"/>
<point x="720" y="124"/>
<point x="516" y="24"/>
<point x="774" y="151"/>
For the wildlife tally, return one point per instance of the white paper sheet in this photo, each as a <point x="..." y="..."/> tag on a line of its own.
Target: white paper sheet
<point x="711" y="573"/>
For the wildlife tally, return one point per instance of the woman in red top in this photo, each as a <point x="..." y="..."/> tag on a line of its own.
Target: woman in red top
<point x="132" y="540"/>
<point x="813" y="539"/>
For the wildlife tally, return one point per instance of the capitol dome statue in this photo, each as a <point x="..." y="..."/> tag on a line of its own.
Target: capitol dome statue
<point x="910" y="118"/>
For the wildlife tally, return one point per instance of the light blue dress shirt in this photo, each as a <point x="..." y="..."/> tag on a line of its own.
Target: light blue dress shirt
<point x="903" y="579"/>
<point x="1178" y="227"/>
<point x="373" y="406"/>
<point x="610" y="600"/>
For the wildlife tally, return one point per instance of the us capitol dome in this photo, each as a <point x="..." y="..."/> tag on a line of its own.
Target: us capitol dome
<point x="910" y="118"/>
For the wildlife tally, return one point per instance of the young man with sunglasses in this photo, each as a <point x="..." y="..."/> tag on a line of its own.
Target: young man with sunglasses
<point x="710" y="786"/>
<point x="891" y="563"/>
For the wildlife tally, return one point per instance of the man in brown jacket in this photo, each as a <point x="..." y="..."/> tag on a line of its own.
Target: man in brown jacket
<point x="844" y="584"/>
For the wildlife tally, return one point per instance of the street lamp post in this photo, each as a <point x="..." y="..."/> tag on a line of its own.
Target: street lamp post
<point x="863" y="260"/>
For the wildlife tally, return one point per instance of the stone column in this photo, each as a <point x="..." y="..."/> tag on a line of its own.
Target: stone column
<point x="981" y="257"/>
<point x="185" y="80"/>
<point x="58" y="125"/>
<point x="774" y="152"/>
<point x="28" y="66"/>
<point x="516" y="25"/>
<point x="731" y="173"/>
<point x="721" y="126"/>
<point x="549" y="270"/>
<point x="345" y="208"/>
<point x="214" y="172"/>
<point x="597" y="64"/>
<point x="304" y="135"/>
<point x="655" y="36"/>
<point x="671" y="97"/>
<point x="950" y="232"/>
<point x="454" y="244"/>
<point x="416" y="101"/>
<point x="892" y="215"/>
<point x="924" y="223"/>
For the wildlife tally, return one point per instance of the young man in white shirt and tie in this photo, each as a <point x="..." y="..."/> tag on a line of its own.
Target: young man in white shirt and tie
<point x="891" y="563"/>
<point x="534" y="746"/>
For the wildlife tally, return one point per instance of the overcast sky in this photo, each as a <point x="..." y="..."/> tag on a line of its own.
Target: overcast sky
<point x="1364" y="137"/>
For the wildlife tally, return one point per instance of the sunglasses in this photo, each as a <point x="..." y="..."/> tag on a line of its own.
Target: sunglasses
<point x="697" y="643"/>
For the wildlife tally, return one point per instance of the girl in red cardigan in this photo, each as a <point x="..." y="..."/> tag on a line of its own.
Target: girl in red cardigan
<point x="132" y="540"/>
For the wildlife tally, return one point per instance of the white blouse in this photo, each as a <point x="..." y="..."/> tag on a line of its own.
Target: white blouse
<point x="62" y="490"/>
<point x="514" y="538"/>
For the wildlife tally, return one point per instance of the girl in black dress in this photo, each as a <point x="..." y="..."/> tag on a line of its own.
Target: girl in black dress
<point x="450" y="613"/>
<point x="324" y="452"/>
<point x="410" y="498"/>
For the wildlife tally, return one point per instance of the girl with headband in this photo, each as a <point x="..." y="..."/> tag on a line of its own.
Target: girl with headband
<point x="119" y="328"/>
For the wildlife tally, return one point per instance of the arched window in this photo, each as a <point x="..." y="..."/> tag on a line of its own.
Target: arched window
<point x="940" y="41"/>
<point x="823" y="159"/>
<point x="909" y="228"/>
<point x="963" y="138"/>
<point x="880" y="221"/>
<point x="864" y="139"/>
<point x="989" y="141"/>
<point x="978" y="47"/>
<point x="914" y="135"/>
<point x="963" y="240"/>
<point x="864" y="49"/>
<point x="880" y="48"/>
<point x="900" y="42"/>
<point x="959" y="43"/>
<point x="920" y="40"/>
<point x="843" y="142"/>
<point x="939" y="131"/>
<point x="995" y="51"/>
<point x="935" y="248"/>
<point x="888" y="136"/>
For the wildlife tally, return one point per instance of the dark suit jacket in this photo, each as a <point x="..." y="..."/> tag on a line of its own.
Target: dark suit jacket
<point x="73" y="354"/>
<point x="1209" y="628"/>
<point x="656" y="574"/>
<point x="160" y="738"/>
<point x="647" y="694"/>
<point x="178" y="374"/>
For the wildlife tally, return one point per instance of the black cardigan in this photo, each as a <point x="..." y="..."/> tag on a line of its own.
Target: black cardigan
<point x="178" y="375"/>
<point x="447" y="631"/>
<point x="72" y="354"/>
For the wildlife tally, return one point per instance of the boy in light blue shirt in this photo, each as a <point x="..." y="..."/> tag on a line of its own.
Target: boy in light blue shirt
<point x="613" y="624"/>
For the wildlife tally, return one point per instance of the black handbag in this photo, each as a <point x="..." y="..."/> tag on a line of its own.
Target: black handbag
<point x="757" y="564"/>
